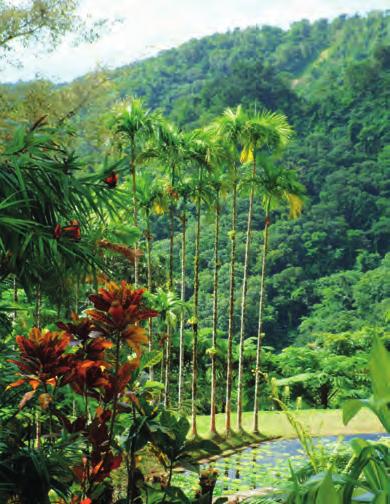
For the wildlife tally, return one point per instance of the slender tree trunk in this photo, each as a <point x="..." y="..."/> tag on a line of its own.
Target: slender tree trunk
<point x="171" y="244"/>
<point x="168" y="342"/>
<point x="195" y="323"/>
<point x="133" y="491"/>
<point x="77" y="295"/>
<point x="260" y="324"/>
<point x="135" y="209"/>
<point x="162" y="367"/>
<point x="243" y="300"/>
<point x="215" y="320"/>
<point x="182" y="298"/>
<point x="167" y="367"/>
<point x="149" y="273"/>
<point x="37" y="430"/>
<point x="229" y="375"/>
<point x="15" y="295"/>
<point x="38" y="306"/>
<point x="168" y="350"/>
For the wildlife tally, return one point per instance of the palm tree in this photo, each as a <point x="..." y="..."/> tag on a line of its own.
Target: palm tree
<point x="279" y="186"/>
<point x="170" y="309"/>
<point x="228" y="128"/>
<point x="134" y="125"/>
<point x="150" y="199"/>
<point x="37" y="235"/>
<point x="267" y="132"/>
<point x="169" y="151"/>
<point x="202" y="150"/>
<point x="217" y="181"/>
<point x="184" y="190"/>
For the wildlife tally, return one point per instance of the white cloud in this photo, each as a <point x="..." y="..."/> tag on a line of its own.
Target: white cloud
<point x="152" y="25"/>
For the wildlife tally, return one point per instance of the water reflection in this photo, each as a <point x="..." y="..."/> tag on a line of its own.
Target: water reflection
<point x="238" y="461"/>
<point x="263" y="465"/>
<point x="253" y="472"/>
<point x="226" y="474"/>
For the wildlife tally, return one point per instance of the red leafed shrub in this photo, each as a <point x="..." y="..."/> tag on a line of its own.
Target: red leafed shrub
<point x="87" y="355"/>
<point x="118" y="306"/>
<point x="43" y="359"/>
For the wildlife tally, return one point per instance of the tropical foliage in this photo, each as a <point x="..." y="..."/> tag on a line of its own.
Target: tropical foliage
<point x="365" y="476"/>
<point x="204" y="253"/>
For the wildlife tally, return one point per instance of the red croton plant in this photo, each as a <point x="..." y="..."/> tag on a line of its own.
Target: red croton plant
<point x="89" y="355"/>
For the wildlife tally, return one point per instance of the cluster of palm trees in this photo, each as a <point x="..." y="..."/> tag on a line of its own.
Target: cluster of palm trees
<point x="169" y="168"/>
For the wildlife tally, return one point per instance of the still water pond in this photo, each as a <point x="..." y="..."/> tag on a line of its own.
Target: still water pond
<point x="263" y="465"/>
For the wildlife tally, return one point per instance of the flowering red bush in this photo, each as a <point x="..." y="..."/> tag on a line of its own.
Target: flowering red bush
<point x="43" y="359"/>
<point x="86" y="356"/>
<point x="118" y="306"/>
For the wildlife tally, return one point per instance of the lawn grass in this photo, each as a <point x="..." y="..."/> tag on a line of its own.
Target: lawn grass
<point x="275" y="424"/>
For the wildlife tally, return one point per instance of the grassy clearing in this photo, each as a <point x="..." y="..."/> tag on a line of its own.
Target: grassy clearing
<point x="275" y="424"/>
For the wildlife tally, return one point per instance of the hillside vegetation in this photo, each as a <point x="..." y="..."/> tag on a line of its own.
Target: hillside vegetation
<point x="332" y="80"/>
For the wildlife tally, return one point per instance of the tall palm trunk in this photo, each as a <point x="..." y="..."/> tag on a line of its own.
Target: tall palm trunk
<point x="260" y="325"/>
<point x="77" y="295"/>
<point x="194" y="387"/>
<point x="171" y="244"/>
<point x="149" y="273"/>
<point x="168" y="342"/>
<point x="38" y="306"/>
<point x="182" y="298"/>
<point x="15" y="295"/>
<point x="229" y="374"/>
<point x="215" y="319"/>
<point x="243" y="299"/>
<point x="167" y="363"/>
<point x="135" y="207"/>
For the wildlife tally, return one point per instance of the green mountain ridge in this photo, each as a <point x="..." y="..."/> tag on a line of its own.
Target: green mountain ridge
<point x="332" y="80"/>
<point x="175" y="78"/>
<point x="341" y="148"/>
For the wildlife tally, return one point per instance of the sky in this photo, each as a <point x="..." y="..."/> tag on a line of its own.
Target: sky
<point x="149" y="26"/>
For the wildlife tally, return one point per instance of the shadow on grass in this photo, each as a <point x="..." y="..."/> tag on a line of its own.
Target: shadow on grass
<point x="235" y="441"/>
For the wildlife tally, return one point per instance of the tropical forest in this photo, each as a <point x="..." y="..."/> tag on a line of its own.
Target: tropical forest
<point x="195" y="260"/>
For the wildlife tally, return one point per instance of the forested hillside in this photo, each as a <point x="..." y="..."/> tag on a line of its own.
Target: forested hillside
<point x="332" y="80"/>
<point x="263" y="65"/>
